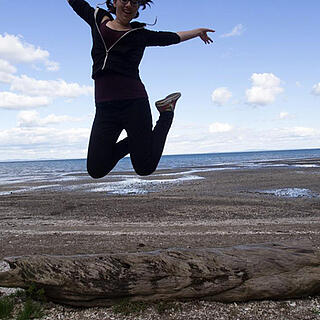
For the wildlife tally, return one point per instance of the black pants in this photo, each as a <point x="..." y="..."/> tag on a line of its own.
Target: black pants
<point x="144" y="144"/>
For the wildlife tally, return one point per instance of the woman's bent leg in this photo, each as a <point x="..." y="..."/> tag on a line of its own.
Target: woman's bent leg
<point x="104" y="152"/>
<point x="145" y="145"/>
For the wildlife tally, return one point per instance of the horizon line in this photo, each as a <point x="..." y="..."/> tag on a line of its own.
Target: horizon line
<point x="181" y="154"/>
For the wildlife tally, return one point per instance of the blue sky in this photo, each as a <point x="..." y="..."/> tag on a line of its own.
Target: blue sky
<point x="257" y="87"/>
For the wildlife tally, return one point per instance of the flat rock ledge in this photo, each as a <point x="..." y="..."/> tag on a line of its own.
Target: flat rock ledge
<point x="229" y="274"/>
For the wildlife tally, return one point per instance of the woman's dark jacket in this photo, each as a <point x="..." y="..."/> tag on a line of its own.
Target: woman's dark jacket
<point x="126" y="54"/>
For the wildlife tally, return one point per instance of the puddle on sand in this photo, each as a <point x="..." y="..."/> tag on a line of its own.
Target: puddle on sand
<point x="291" y="193"/>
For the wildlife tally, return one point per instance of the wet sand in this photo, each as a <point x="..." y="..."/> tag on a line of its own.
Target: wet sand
<point x="225" y="208"/>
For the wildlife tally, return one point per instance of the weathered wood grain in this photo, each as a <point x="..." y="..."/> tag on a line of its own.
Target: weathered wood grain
<point x="239" y="273"/>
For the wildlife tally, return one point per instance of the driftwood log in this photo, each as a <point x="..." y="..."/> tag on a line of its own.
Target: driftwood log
<point x="240" y="273"/>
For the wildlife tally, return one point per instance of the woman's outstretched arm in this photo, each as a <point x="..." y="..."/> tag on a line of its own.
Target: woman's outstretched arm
<point x="200" y="32"/>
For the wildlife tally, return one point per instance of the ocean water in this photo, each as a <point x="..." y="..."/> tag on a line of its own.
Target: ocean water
<point x="24" y="176"/>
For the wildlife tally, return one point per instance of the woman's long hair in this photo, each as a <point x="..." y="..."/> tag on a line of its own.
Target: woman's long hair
<point x="112" y="9"/>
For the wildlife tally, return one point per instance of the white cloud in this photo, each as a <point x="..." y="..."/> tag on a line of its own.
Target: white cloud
<point x="303" y="132"/>
<point x="265" y="80"/>
<point x="5" y="66"/>
<point x="218" y="127"/>
<point x="236" y="31"/>
<point x="195" y="137"/>
<point x="265" y="88"/>
<point x="51" y="88"/>
<point x="9" y="100"/>
<point x="51" y="142"/>
<point x="221" y="96"/>
<point x="284" y="115"/>
<point x="32" y="119"/>
<point x="26" y="92"/>
<point x="6" y="71"/>
<point x="43" y="142"/>
<point x="14" y="49"/>
<point x="43" y="138"/>
<point x="316" y="89"/>
<point x="52" y="65"/>
<point x="43" y="88"/>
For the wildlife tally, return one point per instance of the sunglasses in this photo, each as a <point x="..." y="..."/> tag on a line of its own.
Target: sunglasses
<point x="134" y="3"/>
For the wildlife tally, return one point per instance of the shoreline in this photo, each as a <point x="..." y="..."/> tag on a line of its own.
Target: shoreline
<point x="127" y="182"/>
<point x="215" y="199"/>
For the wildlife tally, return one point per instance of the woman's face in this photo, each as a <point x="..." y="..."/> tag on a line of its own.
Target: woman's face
<point x="126" y="10"/>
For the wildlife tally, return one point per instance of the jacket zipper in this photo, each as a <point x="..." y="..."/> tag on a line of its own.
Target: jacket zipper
<point x="105" y="47"/>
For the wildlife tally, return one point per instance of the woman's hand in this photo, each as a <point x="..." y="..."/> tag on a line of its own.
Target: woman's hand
<point x="203" y="35"/>
<point x="201" y="32"/>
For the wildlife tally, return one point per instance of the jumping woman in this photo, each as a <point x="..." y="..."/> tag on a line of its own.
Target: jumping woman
<point x="120" y="96"/>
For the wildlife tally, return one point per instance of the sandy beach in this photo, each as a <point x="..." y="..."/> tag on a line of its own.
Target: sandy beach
<point x="219" y="208"/>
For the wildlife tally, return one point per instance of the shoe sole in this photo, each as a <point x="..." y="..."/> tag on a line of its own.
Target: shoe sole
<point x="170" y="98"/>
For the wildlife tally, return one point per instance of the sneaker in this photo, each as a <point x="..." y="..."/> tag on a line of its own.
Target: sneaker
<point x="168" y="103"/>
